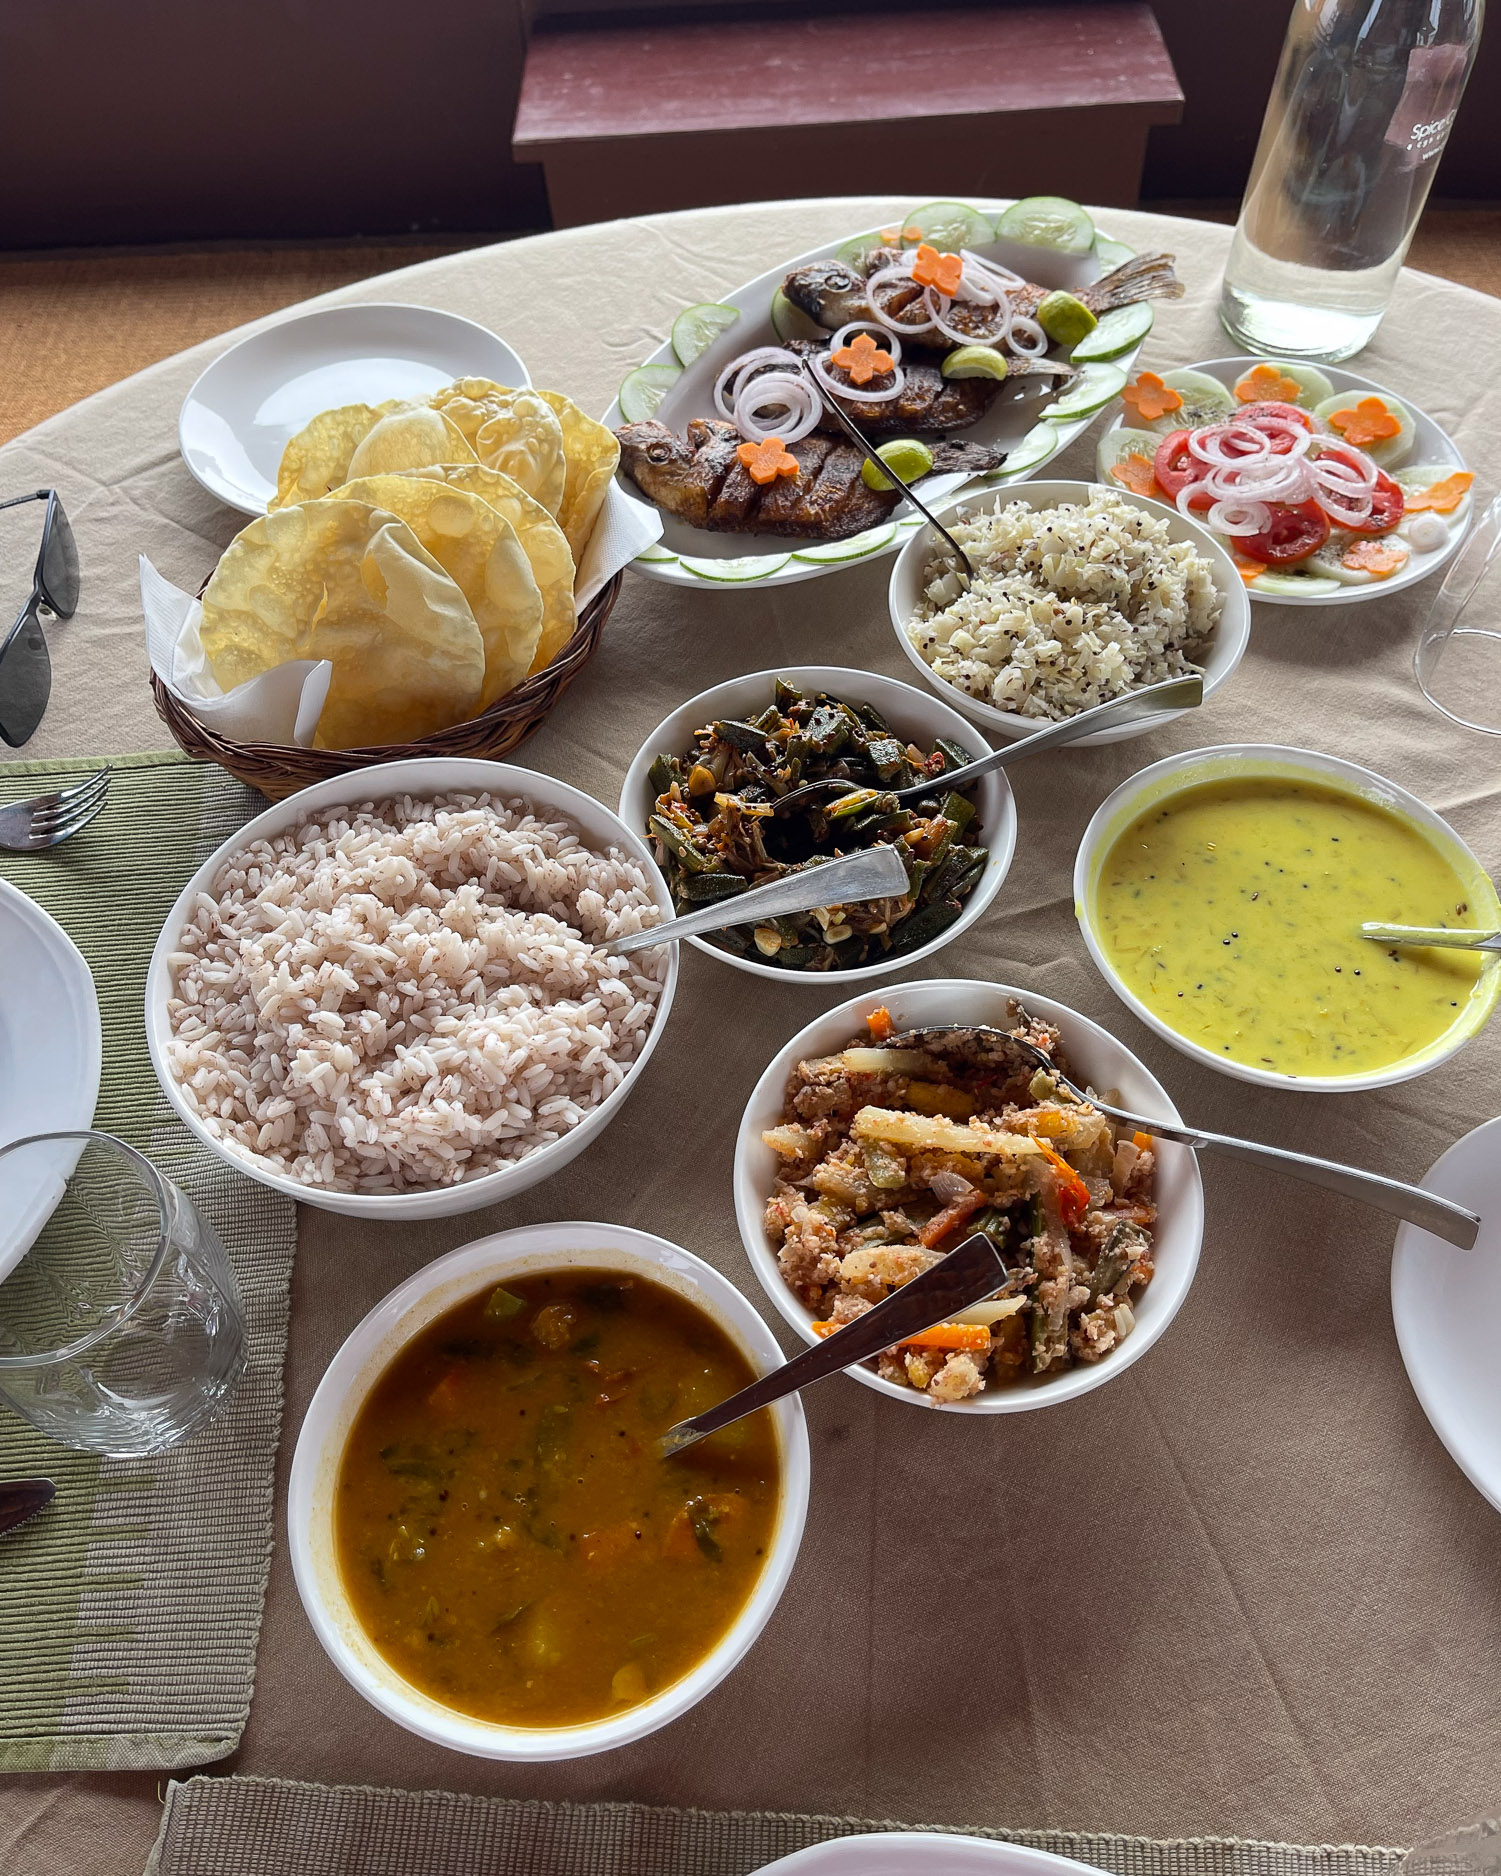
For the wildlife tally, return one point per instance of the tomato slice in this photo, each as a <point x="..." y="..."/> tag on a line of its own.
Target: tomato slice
<point x="1388" y="504"/>
<point x="1295" y="530"/>
<point x="1280" y="441"/>
<point x="1175" y="466"/>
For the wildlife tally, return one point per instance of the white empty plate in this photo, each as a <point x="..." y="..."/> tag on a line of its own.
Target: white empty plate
<point x="239" y="416"/>
<point x="1446" y="1304"/>
<point x="923" y="1853"/>
<point x="50" y="1043"/>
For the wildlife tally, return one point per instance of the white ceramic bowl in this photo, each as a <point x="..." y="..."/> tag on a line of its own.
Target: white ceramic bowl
<point x="424" y="776"/>
<point x="1226" y="648"/>
<point x="1162" y="779"/>
<point x="1096" y="1059"/>
<point x="360" y="1363"/>
<point x="914" y="714"/>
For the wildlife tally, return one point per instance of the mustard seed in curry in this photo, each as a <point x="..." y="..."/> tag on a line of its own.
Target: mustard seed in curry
<point x="509" y="1540"/>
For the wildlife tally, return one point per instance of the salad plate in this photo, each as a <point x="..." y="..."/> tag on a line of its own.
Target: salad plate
<point x="1418" y="457"/>
<point x="1032" y="419"/>
<point x="248" y="404"/>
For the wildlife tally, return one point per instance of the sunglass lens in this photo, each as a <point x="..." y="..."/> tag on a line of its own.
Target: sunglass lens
<point x="25" y="681"/>
<point x="59" y="567"/>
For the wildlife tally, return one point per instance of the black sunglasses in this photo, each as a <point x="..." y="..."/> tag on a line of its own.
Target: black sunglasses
<point x="25" y="668"/>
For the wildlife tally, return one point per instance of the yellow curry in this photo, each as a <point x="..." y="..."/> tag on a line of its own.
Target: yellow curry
<point x="1233" y="908"/>
<point x="509" y="1539"/>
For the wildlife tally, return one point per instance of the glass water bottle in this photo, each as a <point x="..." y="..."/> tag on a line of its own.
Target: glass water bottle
<point x="1358" y="117"/>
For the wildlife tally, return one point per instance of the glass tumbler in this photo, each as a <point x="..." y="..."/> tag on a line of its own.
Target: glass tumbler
<point x="121" y="1330"/>
<point x="1458" y="659"/>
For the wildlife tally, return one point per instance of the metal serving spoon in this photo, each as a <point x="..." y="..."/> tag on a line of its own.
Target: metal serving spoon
<point x="1442" y="935"/>
<point x="1454" y="1223"/>
<point x="1175" y="693"/>
<point x="873" y="873"/>
<point x="967" y="1275"/>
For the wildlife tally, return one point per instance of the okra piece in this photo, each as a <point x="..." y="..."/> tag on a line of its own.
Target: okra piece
<point x="956" y="757"/>
<point x="787" y="694"/>
<point x="679" y="846"/>
<point x="660" y="775"/>
<point x="887" y="756"/>
<point x="918" y="927"/>
<point x="710" y="888"/>
<point x="958" y="810"/>
<point x="870" y="717"/>
<point x="742" y="736"/>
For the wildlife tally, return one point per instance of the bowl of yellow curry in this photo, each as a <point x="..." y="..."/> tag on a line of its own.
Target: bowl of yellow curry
<point x="1221" y="893"/>
<point x="483" y="1537"/>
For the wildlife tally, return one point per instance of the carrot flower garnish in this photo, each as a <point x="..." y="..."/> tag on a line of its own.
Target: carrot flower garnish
<point x="1368" y="422"/>
<point x="1381" y="558"/>
<point x="891" y="237"/>
<point x="863" y="359"/>
<point x="1137" y="474"/>
<point x="1150" y="397"/>
<point x="1264" y="384"/>
<point x="939" y="271"/>
<point x="1444" y="496"/>
<point x="766" y="460"/>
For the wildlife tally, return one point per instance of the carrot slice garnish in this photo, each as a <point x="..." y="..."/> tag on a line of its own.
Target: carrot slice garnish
<point x="1368" y="422"/>
<point x="767" y="460"/>
<point x="879" y="1024"/>
<point x="1444" y="496"/>
<point x="863" y="359"/>
<point x="1135" y="473"/>
<point x="1073" y="1194"/>
<point x="939" y="271"/>
<point x="1381" y="558"/>
<point x="1150" y="398"/>
<point x="1264" y="384"/>
<point x="890" y="237"/>
<point x="973" y="1336"/>
<point x="1248" y="568"/>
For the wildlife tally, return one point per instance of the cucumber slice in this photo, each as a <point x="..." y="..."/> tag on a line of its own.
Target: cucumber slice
<point x="1047" y="221"/>
<point x="947" y="226"/>
<point x="1040" y="442"/>
<point x="1325" y="562"/>
<point x="1092" y="390"/>
<point x="736" y="571"/>
<point x="790" y="322"/>
<point x="1117" y="332"/>
<point x="1311" y="382"/>
<point x="870" y="542"/>
<point x="656" y="554"/>
<point x="856" y="252"/>
<point x="1293" y="585"/>
<point x="1420" y="476"/>
<point x="1115" y="445"/>
<point x="642" y="392"/>
<point x="1388" y="450"/>
<point x="695" y="330"/>
<point x="1110" y="253"/>
<point x="1205" y="400"/>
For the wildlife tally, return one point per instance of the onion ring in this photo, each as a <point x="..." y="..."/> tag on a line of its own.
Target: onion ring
<point x="763" y="354"/>
<point x="1025" y="327"/>
<point x="883" y="278"/>
<point x="857" y="393"/>
<point x="1238" y="516"/>
<point x="842" y="337"/>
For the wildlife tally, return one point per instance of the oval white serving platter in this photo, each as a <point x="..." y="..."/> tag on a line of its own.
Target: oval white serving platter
<point x="1432" y="445"/>
<point x="694" y="557"/>
<point x="247" y="405"/>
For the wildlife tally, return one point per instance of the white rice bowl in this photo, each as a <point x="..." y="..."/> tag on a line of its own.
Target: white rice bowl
<point x="1071" y="605"/>
<point x="407" y="994"/>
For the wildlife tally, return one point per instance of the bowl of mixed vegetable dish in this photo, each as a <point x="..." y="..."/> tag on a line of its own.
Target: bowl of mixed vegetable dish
<point x="892" y="1128"/>
<point x="709" y="785"/>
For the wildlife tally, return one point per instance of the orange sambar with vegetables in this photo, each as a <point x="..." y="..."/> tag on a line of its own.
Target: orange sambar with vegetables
<point x="508" y="1538"/>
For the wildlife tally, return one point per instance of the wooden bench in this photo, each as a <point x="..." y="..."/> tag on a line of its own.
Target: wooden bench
<point x="998" y="100"/>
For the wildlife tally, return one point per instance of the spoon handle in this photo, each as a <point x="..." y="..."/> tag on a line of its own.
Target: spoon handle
<point x="1175" y="693"/>
<point x="873" y="873"/>
<point x="1447" y="936"/>
<point x="967" y="1275"/>
<point x="1446" y="1220"/>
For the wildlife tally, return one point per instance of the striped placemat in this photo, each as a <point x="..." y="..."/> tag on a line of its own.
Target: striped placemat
<point x="131" y="1608"/>
<point x="279" y="1827"/>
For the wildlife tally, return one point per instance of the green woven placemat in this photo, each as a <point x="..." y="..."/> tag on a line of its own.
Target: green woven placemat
<point x="278" y="1827"/>
<point x="130" y="1610"/>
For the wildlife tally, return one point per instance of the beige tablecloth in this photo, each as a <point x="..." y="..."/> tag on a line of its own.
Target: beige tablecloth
<point x="1242" y="1590"/>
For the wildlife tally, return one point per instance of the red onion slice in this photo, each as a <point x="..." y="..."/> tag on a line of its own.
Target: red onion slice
<point x="1027" y="337"/>
<point x="884" y="278"/>
<point x="747" y="361"/>
<point x="1220" y="443"/>
<point x="794" y="397"/>
<point x="1237" y="517"/>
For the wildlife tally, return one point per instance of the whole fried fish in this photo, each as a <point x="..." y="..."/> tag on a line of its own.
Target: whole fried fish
<point x="929" y="404"/>
<point x="700" y="479"/>
<point x="835" y="294"/>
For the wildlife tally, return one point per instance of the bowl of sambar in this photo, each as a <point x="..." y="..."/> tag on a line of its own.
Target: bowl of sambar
<point x="1221" y="894"/>
<point x="482" y="1536"/>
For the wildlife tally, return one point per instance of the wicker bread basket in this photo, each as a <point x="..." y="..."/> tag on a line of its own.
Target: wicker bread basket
<point x="279" y="770"/>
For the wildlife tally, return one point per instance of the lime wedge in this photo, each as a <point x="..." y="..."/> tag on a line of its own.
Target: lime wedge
<point x="1117" y="332"/>
<point x="1092" y="390"/>
<point x="644" y="389"/>
<point x="1047" y="221"/>
<point x="1065" y="318"/>
<point x="790" y="322"/>
<point x="1040" y="442"/>
<point x="974" y="361"/>
<point x="656" y="553"/>
<point x="1111" y="253"/>
<point x="947" y="226"/>
<point x="910" y="459"/>
<point x="870" y="542"/>
<point x="695" y="330"/>
<point x="745" y="567"/>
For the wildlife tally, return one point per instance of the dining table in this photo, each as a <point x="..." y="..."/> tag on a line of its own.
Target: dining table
<point x="1241" y="1591"/>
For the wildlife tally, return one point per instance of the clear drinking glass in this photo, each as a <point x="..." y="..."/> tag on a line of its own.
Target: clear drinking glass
<point x="1358" y="117"/>
<point x="1458" y="659"/>
<point x="121" y="1330"/>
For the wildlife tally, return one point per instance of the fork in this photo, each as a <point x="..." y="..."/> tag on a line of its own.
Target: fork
<point x="46" y="820"/>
